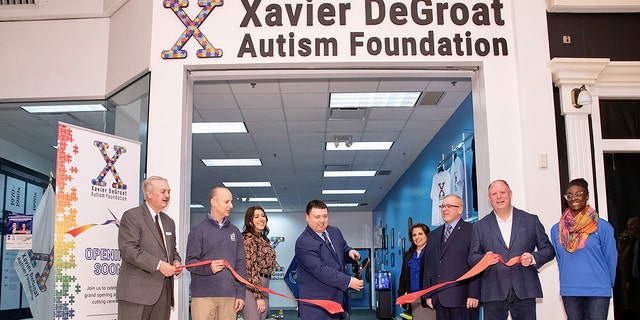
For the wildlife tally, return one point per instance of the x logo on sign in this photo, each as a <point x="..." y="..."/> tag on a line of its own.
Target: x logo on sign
<point x="110" y="166"/>
<point x="192" y="29"/>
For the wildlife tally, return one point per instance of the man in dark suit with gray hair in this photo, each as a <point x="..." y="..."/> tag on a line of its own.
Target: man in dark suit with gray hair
<point x="147" y="242"/>
<point x="446" y="259"/>
<point x="510" y="232"/>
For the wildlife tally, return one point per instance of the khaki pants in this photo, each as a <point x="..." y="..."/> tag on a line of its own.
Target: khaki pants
<point x="213" y="308"/>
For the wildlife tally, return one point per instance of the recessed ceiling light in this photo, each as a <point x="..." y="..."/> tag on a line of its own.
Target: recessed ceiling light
<point x="196" y="206"/>
<point x="262" y="199"/>
<point x="272" y="210"/>
<point x="373" y="99"/>
<point x="218" y="127"/>
<point x="349" y="174"/>
<point x="358" y="146"/>
<point x="232" y="162"/>
<point x="64" y="108"/>
<point x="343" y="191"/>
<point x="246" y="184"/>
<point x="350" y="204"/>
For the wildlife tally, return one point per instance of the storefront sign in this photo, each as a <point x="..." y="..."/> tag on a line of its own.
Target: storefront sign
<point x="360" y="28"/>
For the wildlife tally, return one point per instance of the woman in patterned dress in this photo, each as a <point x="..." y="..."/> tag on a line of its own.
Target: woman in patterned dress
<point x="261" y="259"/>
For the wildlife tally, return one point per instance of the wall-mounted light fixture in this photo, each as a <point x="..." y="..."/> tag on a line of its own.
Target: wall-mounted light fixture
<point x="580" y="97"/>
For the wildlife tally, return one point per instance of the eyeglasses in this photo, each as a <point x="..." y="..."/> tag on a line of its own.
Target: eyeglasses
<point x="448" y="206"/>
<point x="569" y="196"/>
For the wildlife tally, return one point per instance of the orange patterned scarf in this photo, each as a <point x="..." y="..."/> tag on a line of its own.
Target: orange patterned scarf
<point x="574" y="231"/>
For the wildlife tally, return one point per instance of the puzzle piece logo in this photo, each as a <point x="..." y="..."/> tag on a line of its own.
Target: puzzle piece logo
<point x="275" y="241"/>
<point x="192" y="28"/>
<point x="110" y="165"/>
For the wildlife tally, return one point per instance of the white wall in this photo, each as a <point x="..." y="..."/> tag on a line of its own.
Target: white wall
<point x="45" y="60"/>
<point x="129" y="43"/>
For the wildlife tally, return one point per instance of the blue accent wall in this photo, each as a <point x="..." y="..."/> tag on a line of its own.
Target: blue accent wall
<point x="410" y="196"/>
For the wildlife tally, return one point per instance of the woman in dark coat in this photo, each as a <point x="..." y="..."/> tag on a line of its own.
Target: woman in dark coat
<point x="411" y="274"/>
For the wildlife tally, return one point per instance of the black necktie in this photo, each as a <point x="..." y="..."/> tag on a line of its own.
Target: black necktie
<point x="326" y="240"/>
<point x="447" y="232"/>
<point x="160" y="231"/>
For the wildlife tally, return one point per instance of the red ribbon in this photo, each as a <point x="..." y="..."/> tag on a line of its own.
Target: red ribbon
<point x="329" y="305"/>
<point x="484" y="263"/>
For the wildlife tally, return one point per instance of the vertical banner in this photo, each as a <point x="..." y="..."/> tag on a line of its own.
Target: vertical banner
<point x="97" y="179"/>
<point x="34" y="266"/>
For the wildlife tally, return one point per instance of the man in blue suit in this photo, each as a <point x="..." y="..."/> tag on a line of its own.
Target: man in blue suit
<point x="446" y="259"/>
<point x="321" y="252"/>
<point x="510" y="232"/>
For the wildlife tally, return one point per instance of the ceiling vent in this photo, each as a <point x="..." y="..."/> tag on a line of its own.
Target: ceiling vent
<point x="383" y="172"/>
<point x="348" y="114"/>
<point x="431" y="98"/>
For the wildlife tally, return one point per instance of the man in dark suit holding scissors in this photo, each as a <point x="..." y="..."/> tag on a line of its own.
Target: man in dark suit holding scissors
<point x="321" y="253"/>
<point x="147" y="243"/>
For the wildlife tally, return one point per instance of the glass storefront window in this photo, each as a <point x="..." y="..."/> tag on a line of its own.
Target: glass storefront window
<point x="28" y="139"/>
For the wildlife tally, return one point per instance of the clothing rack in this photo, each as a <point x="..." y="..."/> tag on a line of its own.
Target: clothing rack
<point x="450" y="156"/>
<point x="454" y="149"/>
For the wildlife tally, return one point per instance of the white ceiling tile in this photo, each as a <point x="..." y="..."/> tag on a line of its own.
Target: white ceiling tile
<point x="306" y="126"/>
<point x="209" y="87"/>
<point x="255" y="87"/>
<point x="353" y="85"/>
<point x="306" y="100"/>
<point x="304" y="86"/>
<point x="345" y="125"/>
<point x="402" y="85"/>
<point x="390" y="113"/>
<point x="261" y="100"/>
<point x="453" y="99"/>
<point x="385" y="125"/>
<point x="263" y="114"/>
<point x="215" y="101"/>
<point x="294" y="115"/>
<point x="214" y="115"/>
<point x="316" y="138"/>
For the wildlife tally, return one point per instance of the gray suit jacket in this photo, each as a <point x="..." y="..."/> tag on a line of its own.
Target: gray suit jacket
<point x="141" y="249"/>
<point x="527" y="234"/>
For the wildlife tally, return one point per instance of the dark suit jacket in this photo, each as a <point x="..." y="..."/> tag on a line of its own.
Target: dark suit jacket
<point x="321" y="272"/>
<point x="141" y="249"/>
<point x="447" y="261"/>
<point x="527" y="234"/>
